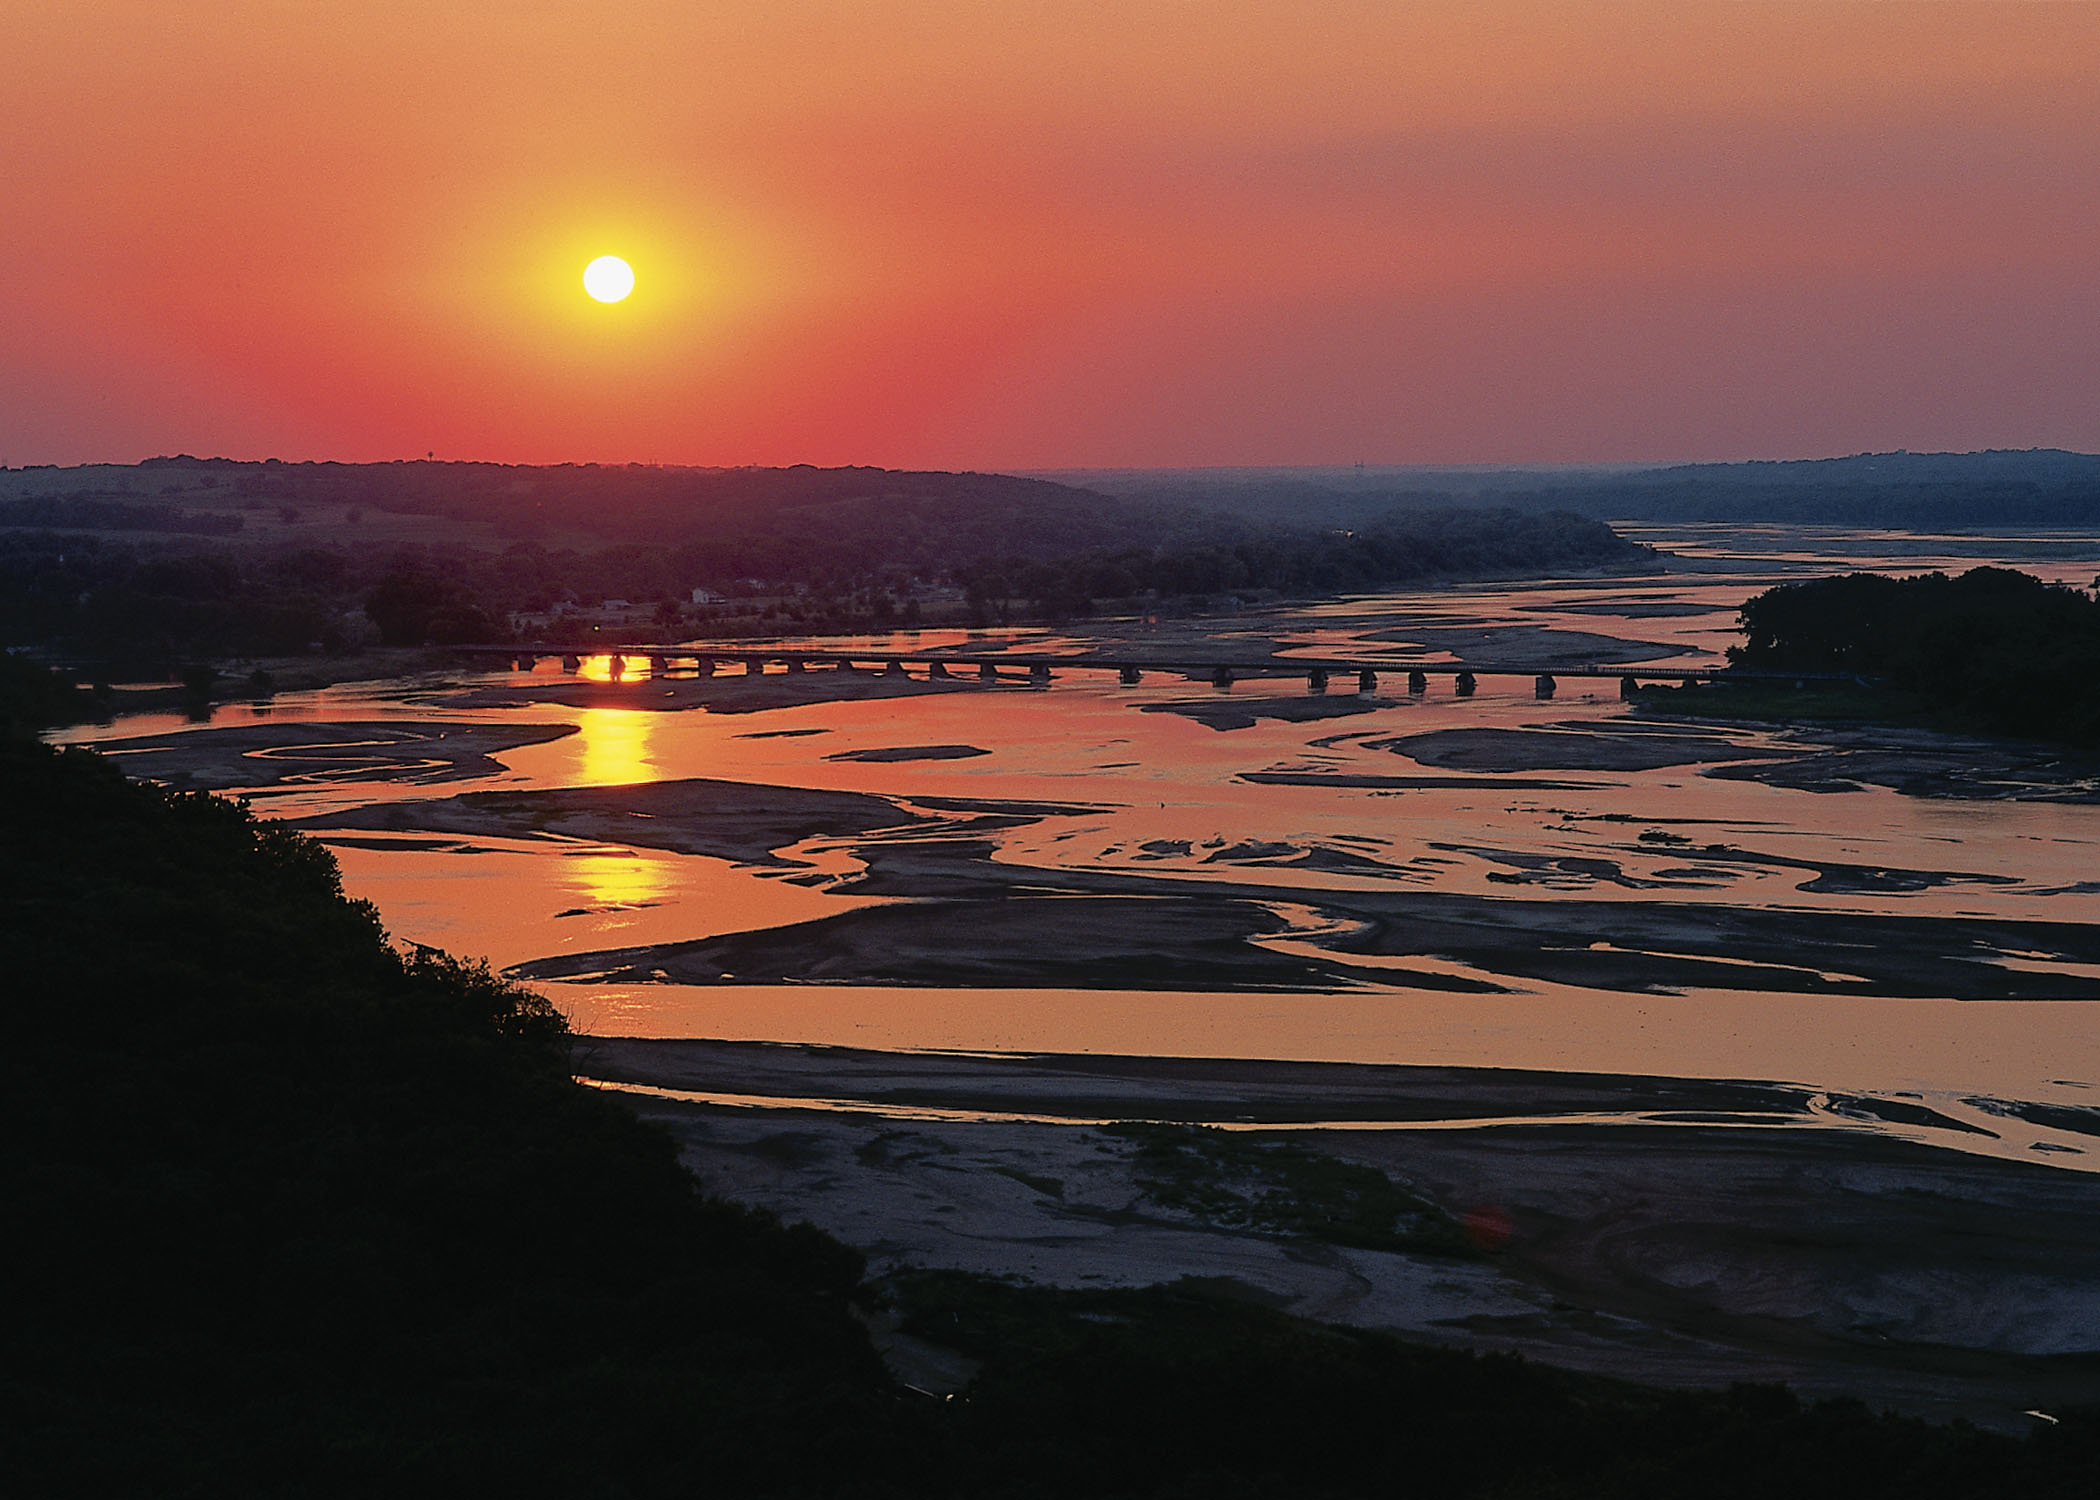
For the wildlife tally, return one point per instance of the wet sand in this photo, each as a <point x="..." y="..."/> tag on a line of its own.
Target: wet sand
<point x="725" y="819"/>
<point x="1920" y="763"/>
<point x="965" y="917"/>
<point x="1671" y="1231"/>
<point x="1229" y="937"/>
<point x="1815" y="758"/>
<point x="270" y="753"/>
<point x="1571" y="748"/>
<point x="1225" y="713"/>
<point x="1534" y="647"/>
<point x="889" y="754"/>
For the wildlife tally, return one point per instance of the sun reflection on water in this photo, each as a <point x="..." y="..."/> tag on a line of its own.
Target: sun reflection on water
<point x="603" y="668"/>
<point x="616" y="877"/>
<point x="613" y="744"/>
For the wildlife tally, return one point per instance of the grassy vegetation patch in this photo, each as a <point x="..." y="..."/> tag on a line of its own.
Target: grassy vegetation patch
<point x="1191" y="1390"/>
<point x="1235" y="1181"/>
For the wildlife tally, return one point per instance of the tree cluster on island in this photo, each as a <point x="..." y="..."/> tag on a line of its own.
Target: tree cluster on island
<point x="294" y="1211"/>
<point x="1992" y="650"/>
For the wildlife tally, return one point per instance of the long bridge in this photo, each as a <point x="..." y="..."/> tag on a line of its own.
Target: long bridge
<point x="1038" y="669"/>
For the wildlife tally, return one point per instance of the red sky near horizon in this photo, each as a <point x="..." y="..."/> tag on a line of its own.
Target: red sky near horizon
<point x="975" y="234"/>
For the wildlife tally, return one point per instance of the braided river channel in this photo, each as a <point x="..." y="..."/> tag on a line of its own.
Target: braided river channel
<point x="1898" y="929"/>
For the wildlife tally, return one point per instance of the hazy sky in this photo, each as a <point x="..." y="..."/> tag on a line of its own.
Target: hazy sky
<point x="1033" y="233"/>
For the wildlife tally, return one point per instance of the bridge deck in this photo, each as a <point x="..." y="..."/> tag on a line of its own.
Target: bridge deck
<point x="1189" y="666"/>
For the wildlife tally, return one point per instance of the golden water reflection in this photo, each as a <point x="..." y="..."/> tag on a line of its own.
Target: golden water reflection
<point x="613" y="744"/>
<point x="603" y="668"/>
<point x="616" y="877"/>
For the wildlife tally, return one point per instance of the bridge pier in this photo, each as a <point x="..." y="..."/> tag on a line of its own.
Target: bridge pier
<point x="1464" y="684"/>
<point x="1542" y="686"/>
<point x="1367" y="681"/>
<point x="795" y="664"/>
<point x="1316" y="680"/>
<point x="572" y="663"/>
<point x="1039" y="675"/>
<point x="1628" y="688"/>
<point x="659" y="665"/>
<point x="1221" y="679"/>
<point x="1129" y="676"/>
<point x="1417" y="684"/>
<point x="986" y="672"/>
<point x="895" y="669"/>
<point x="938" y="672"/>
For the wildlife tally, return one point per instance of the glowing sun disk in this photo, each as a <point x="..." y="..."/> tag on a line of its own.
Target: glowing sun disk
<point x="608" y="278"/>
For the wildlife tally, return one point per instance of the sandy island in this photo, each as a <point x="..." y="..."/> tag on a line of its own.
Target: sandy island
<point x="270" y="753"/>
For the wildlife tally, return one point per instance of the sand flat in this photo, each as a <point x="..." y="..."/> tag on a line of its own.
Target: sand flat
<point x="1638" y="1243"/>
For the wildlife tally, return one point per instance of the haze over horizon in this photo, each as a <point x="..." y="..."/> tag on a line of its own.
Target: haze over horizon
<point x="948" y="236"/>
<point x="1075" y="473"/>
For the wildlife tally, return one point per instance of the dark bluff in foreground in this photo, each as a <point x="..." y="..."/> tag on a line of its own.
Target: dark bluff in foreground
<point x="296" y="1214"/>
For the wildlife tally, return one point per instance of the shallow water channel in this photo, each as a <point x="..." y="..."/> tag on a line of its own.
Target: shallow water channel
<point x="1167" y="869"/>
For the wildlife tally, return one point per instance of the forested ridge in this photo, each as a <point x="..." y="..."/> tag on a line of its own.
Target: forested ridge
<point x="294" y="1213"/>
<point x="137" y="569"/>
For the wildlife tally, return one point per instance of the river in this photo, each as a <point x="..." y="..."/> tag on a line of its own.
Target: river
<point x="1413" y="855"/>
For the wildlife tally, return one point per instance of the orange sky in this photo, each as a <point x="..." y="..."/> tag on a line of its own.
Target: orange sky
<point x="997" y="234"/>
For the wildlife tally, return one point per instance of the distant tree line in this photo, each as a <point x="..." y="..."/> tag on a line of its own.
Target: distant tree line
<point x="140" y="606"/>
<point x="33" y="697"/>
<point x="2000" y="649"/>
<point x="95" y="513"/>
<point x="786" y="551"/>
<point x="1399" y="549"/>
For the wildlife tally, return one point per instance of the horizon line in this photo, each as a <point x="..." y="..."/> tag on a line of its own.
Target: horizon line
<point x="1038" y="471"/>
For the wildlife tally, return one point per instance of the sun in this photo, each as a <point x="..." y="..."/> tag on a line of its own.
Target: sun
<point x="608" y="278"/>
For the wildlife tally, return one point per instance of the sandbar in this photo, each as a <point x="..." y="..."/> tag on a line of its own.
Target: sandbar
<point x="1759" y="1247"/>
<point x="889" y="753"/>
<point x="275" y="752"/>
<point x="1568" y="749"/>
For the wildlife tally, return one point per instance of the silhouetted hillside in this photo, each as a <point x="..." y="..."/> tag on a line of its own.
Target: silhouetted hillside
<point x="907" y="517"/>
<point x="2040" y="488"/>
<point x="280" y="559"/>
<point x="290" y="1213"/>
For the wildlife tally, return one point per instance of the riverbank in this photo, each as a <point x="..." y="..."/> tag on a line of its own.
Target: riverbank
<point x="1679" y="1232"/>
